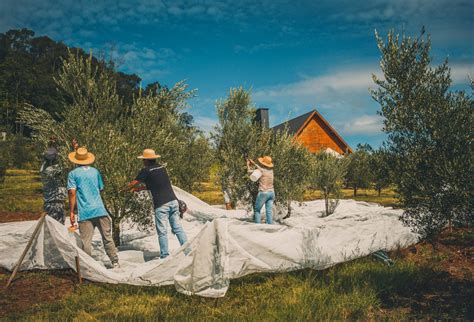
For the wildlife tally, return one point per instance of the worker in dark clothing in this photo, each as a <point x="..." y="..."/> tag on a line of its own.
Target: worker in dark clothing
<point x="155" y="178"/>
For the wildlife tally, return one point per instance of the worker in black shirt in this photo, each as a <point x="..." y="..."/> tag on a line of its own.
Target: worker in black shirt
<point x="156" y="179"/>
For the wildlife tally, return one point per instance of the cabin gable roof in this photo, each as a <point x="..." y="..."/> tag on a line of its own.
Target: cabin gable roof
<point x="296" y="126"/>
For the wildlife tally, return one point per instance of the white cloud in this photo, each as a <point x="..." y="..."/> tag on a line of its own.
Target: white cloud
<point x="365" y="124"/>
<point x="356" y="79"/>
<point x="206" y="124"/>
<point x="149" y="63"/>
<point x="460" y="73"/>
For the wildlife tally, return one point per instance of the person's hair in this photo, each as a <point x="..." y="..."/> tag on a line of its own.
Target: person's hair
<point x="150" y="161"/>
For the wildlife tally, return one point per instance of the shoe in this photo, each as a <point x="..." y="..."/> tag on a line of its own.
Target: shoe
<point x="115" y="265"/>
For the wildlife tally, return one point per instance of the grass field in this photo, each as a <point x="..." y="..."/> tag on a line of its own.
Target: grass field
<point x="210" y="192"/>
<point x="21" y="192"/>
<point x="422" y="283"/>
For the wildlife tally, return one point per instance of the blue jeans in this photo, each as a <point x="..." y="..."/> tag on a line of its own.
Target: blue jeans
<point x="264" y="198"/>
<point x="169" y="210"/>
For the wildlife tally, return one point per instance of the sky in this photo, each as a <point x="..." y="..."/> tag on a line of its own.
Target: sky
<point x="294" y="56"/>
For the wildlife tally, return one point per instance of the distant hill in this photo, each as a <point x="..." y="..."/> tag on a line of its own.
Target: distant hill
<point x="27" y="67"/>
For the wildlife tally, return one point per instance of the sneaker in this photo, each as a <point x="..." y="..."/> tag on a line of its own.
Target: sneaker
<point x="115" y="265"/>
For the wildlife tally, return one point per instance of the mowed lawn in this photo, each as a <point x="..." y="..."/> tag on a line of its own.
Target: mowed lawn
<point x="422" y="284"/>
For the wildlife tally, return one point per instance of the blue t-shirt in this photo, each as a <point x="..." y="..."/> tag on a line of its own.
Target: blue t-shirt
<point x="88" y="183"/>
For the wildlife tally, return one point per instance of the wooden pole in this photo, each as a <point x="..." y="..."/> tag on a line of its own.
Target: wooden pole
<point x="78" y="270"/>
<point x="27" y="248"/>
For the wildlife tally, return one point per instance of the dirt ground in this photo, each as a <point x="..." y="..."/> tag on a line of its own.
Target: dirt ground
<point x="30" y="288"/>
<point x="452" y="258"/>
<point x="34" y="287"/>
<point x="17" y="216"/>
<point x="452" y="287"/>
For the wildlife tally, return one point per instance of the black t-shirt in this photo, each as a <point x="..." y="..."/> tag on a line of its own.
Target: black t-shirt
<point x="157" y="181"/>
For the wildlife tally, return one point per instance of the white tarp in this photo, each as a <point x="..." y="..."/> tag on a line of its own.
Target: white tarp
<point x="222" y="245"/>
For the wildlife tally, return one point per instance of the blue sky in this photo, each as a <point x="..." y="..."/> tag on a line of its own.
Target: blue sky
<point x="294" y="55"/>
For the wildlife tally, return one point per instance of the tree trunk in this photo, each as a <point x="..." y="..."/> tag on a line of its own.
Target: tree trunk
<point x="288" y="214"/>
<point x="116" y="232"/>
<point x="379" y="190"/>
<point x="355" y="191"/>
<point x="326" y="200"/>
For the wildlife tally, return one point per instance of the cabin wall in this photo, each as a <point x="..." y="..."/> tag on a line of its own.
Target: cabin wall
<point x="315" y="137"/>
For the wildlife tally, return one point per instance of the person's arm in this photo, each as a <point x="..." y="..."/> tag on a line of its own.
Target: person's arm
<point x="71" y="189"/>
<point x="72" y="204"/>
<point x="138" y="183"/>
<point x="135" y="186"/>
<point x="74" y="144"/>
<point x="249" y="169"/>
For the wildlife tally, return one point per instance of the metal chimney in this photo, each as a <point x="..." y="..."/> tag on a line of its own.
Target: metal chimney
<point x="261" y="117"/>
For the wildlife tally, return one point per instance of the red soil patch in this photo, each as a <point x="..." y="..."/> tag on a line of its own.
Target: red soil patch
<point x="450" y="292"/>
<point x="30" y="288"/>
<point x="18" y="216"/>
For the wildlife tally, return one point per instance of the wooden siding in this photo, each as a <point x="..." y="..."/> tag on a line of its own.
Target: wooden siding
<point x="316" y="136"/>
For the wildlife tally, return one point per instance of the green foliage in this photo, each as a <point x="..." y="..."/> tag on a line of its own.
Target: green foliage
<point x="238" y="138"/>
<point x="429" y="134"/>
<point x="358" y="173"/>
<point x="380" y="169"/>
<point x="117" y="133"/>
<point x="28" y="65"/>
<point x="18" y="152"/>
<point x="328" y="175"/>
<point x="292" y="169"/>
<point x="193" y="162"/>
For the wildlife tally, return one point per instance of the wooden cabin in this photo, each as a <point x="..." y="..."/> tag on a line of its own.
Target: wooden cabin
<point x="312" y="130"/>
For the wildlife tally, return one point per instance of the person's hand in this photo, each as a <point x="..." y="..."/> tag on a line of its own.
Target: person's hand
<point x="134" y="189"/>
<point x="74" y="143"/>
<point x="72" y="218"/>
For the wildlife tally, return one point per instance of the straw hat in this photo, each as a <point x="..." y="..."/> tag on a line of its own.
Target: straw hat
<point x="81" y="156"/>
<point x="266" y="161"/>
<point x="149" y="154"/>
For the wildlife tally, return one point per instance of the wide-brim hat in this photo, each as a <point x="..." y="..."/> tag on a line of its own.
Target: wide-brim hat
<point x="266" y="161"/>
<point x="81" y="156"/>
<point x="149" y="154"/>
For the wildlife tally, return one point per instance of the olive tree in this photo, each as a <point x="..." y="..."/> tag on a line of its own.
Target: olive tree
<point x="379" y="163"/>
<point x="430" y="135"/>
<point x="358" y="173"/>
<point x="238" y="137"/>
<point x="116" y="132"/>
<point x="292" y="170"/>
<point x="328" y="176"/>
